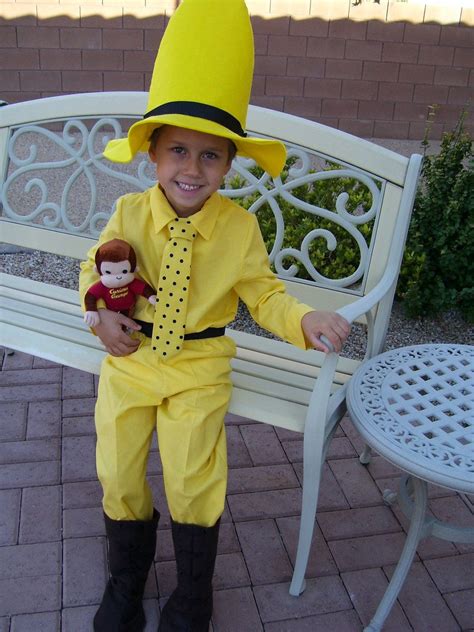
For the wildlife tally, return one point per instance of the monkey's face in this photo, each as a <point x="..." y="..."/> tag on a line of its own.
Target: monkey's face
<point x="116" y="274"/>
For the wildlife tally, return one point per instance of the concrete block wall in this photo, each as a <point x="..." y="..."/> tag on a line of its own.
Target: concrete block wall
<point x="372" y="69"/>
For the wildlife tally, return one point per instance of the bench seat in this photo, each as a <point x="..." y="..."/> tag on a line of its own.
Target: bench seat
<point x="273" y="380"/>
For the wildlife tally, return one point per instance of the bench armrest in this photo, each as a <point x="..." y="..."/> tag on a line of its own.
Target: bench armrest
<point x="366" y="303"/>
<point x="386" y="284"/>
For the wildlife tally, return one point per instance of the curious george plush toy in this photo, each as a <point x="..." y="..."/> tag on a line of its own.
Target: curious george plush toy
<point x="116" y="263"/>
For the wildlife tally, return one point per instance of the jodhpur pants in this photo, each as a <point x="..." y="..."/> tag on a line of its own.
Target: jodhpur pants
<point x="186" y="399"/>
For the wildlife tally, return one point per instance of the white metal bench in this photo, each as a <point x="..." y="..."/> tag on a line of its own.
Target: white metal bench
<point x="54" y="187"/>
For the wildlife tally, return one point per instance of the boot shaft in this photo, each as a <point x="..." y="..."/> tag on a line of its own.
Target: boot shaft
<point x="189" y="608"/>
<point x="131" y="545"/>
<point x="195" y="549"/>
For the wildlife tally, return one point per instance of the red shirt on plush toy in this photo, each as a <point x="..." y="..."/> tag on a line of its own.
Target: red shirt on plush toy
<point x="116" y="263"/>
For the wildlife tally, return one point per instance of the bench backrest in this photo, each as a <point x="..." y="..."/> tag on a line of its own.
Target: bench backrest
<point x="57" y="190"/>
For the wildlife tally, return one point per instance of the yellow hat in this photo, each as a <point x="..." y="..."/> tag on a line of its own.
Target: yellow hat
<point x="201" y="81"/>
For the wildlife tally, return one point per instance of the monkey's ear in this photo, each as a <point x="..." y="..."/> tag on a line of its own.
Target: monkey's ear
<point x="137" y="268"/>
<point x="95" y="270"/>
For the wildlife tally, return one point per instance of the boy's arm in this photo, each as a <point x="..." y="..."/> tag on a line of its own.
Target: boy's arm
<point x="275" y="310"/>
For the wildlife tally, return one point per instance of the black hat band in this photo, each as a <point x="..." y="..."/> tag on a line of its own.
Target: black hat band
<point x="201" y="110"/>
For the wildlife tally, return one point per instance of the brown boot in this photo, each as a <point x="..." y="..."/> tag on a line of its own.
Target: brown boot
<point x="189" y="608"/>
<point x="132" y="546"/>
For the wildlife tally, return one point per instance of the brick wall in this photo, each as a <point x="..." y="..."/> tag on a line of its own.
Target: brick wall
<point x="371" y="69"/>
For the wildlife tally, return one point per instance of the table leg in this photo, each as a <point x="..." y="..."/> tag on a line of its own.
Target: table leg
<point x="365" y="456"/>
<point x="433" y="526"/>
<point x="415" y="533"/>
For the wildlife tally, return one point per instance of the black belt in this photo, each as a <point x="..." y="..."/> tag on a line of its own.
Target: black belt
<point x="210" y="332"/>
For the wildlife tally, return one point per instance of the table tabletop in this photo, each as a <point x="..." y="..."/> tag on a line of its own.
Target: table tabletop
<point x="415" y="406"/>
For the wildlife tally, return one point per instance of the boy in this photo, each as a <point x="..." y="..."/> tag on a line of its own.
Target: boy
<point x="201" y="252"/>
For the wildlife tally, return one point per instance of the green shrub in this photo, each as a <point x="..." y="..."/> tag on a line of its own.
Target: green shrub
<point x="438" y="267"/>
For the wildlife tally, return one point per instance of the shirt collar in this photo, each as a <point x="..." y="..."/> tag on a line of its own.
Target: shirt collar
<point x="203" y="221"/>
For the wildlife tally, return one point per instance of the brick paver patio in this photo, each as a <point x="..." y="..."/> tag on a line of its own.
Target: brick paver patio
<point x="52" y="545"/>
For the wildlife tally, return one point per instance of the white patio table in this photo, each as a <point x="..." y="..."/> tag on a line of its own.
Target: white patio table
<point x="415" y="407"/>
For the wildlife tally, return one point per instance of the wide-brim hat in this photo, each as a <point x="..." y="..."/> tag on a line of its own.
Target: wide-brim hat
<point x="201" y="81"/>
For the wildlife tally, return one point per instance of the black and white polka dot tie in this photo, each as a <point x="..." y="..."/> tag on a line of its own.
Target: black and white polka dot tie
<point x="169" y="324"/>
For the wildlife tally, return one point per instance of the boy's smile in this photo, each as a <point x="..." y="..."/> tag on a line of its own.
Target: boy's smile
<point x="190" y="166"/>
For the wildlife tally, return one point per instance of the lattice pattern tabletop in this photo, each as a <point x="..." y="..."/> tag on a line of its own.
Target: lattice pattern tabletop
<point x="415" y="406"/>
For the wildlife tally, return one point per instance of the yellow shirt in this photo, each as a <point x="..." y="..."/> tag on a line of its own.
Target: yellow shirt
<point x="229" y="260"/>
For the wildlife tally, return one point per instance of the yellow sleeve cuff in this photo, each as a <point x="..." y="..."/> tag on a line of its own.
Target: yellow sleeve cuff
<point x="296" y="331"/>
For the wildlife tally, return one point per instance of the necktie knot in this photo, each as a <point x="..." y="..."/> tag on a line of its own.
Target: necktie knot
<point x="182" y="228"/>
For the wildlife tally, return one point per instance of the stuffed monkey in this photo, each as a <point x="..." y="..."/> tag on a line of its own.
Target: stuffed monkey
<point x="116" y="263"/>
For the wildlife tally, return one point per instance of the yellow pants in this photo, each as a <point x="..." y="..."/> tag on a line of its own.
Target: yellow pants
<point x="186" y="399"/>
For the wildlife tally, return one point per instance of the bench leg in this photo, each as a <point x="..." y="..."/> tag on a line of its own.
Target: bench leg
<point x="312" y="477"/>
<point x="313" y="459"/>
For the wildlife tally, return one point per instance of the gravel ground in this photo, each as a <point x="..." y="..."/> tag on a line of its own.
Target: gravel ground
<point x="449" y="327"/>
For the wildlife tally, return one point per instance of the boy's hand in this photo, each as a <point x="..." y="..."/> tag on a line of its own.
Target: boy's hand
<point x="329" y="324"/>
<point x="114" y="339"/>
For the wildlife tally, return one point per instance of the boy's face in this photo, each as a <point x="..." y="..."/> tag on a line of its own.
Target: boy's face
<point x="190" y="166"/>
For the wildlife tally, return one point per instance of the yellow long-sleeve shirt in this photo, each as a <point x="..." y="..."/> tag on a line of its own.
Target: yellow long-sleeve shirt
<point x="229" y="260"/>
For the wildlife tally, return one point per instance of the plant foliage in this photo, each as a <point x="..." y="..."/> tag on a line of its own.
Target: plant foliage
<point x="439" y="256"/>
